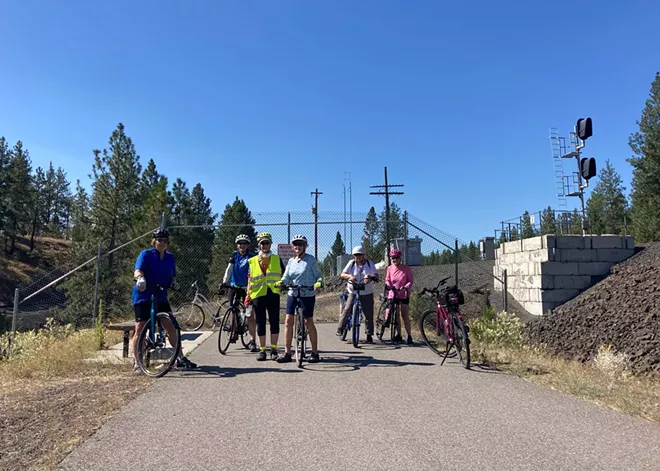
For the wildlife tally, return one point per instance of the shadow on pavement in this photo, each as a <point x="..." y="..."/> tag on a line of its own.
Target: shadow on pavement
<point x="206" y="371"/>
<point x="344" y="361"/>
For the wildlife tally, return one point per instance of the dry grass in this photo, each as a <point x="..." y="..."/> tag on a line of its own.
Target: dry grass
<point x="634" y="395"/>
<point x="52" y="400"/>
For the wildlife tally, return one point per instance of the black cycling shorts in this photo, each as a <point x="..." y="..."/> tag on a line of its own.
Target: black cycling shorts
<point x="143" y="310"/>
<point x="306" y="306"/>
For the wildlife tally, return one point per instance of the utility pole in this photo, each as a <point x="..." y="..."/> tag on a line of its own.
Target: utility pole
<point x="350" y="220"/>
<point x="387" y="194"/>
<point x="315" y="211"/>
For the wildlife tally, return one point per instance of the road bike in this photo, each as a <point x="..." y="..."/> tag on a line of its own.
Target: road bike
<point x="300" y="329"/>
<point x="389" y="313"/>
<point x="234" y="324"/>
<point x="154" y="356"/>
<point x="443" y="328"/>
<point x="355" y="319"/>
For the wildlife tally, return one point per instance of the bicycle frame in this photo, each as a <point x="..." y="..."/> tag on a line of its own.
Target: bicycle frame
<point x="301" y="333"/>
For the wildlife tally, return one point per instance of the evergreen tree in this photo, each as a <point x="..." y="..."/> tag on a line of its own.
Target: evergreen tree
<point x="607" y="205"/>
<point x="645" y="145"/>
<point x="80" y="218"/>
<point x="236" y="219"/>
<point x="576" y="223"/>
<point x="371" y="242"/>
<point x="526" y="227"/>
<point x="395" y="224"/>
<point x="193" y="246"/>
<point x="114" y="206"/>
<point x="448" y="257"/>
<point x="548" y="222"/>
<point x="19" y="196"/>
<point x="329" y="265"/>
<point x="5" y="159"/>
<point x="39" y="205"/>
<point x="514" y="233"/>
<point x="473" y="251"/>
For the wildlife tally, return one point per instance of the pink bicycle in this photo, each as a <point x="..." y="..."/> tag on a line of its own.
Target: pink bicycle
<point x="443" y="328"/>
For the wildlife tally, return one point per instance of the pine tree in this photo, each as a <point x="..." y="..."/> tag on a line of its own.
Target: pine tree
<point x="193" y="246"/>
<point x="373" y="246"/>
<point x="575" y="227"/>
<point x="526" y="227"/>
<point x="5" y="160"/>
<point x="514" y="233"/>
<point x="473" y="251"/>
<point x="19" y="196"/>
<point x="61" y="208"/>
<point x="39" y="205"/>
<point x="645" y="145"/>
<point x="607" y="205"/>
<point x="236" y="219"/>
<point x="329" y="265"/>
<point x="548" y="222"/>
<point x="395" y="224"/>
<point x="114" y="205"/>
<point x="80" y="218"/>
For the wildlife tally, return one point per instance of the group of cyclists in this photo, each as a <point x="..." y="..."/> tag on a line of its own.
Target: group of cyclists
<point x="256" y="280"/>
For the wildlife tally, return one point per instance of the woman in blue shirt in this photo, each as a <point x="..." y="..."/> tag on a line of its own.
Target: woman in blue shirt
<point x="302" y="269"/>
<point x="155" y="266"/>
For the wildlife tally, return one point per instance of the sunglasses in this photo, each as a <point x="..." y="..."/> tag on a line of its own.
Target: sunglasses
<point x="298" y="245"/>
<point x="163" y="241"/>
<point x="243" y="243"/>
<point x="264" y="242"/>
<point x="396" y="258"/>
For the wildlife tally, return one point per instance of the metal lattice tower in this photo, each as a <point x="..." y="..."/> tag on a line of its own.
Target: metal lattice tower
<point x="558" y="148"/>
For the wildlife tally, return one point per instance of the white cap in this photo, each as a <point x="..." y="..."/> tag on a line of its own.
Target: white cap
<point x="358" y="249"/>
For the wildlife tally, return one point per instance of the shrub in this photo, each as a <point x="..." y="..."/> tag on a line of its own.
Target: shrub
<point x="612" y="363"/>
<point x="498" y="329"/>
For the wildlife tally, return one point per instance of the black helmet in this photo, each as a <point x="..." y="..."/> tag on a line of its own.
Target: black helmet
<point x="161" y="232"/>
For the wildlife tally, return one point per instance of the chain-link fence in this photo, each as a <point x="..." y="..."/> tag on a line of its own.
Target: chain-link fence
<point x="71" y="292"/>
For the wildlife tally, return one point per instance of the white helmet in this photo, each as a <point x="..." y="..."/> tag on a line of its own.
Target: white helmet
<point x="359" y="249"/>
<point x="299" y="238"/>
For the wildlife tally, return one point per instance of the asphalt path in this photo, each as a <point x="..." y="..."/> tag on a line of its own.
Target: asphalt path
<point x="376" y="407"/>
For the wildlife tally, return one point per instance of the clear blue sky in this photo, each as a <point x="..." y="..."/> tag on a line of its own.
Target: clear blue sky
<point x="456" y="99"/>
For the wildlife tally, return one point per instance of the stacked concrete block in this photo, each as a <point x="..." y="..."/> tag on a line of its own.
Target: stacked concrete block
<point x="546" y="271"/>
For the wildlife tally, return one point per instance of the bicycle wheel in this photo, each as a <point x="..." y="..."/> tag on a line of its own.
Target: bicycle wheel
<point x="190" y="316"/>
<point x="245" y="332"/>
<point x="227" y="330"/>
<point x="433" y="333"/>
<point x="216" y="318"/>
<point x="461" y="341"/>
<point x="357" y="311"/>
<point x="381" y="322"/>
<point x="155" y="357"/>
<point x="300" y="337"/>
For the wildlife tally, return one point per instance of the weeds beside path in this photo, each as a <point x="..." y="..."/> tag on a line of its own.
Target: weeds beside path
<point x="51" y="398"/>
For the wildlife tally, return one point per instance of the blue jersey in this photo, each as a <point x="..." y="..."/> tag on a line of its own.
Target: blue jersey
<point x="156" y="272"/>
<point x="240" y="268"/>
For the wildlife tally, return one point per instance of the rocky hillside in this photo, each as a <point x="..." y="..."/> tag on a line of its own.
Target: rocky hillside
<point x="623" y="310"/>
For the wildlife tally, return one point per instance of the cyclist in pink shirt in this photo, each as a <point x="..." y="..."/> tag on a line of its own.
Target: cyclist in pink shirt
<point x="400" y="277"/>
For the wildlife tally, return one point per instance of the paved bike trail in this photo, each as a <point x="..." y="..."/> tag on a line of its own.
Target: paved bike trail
<point x="376" y="407"/>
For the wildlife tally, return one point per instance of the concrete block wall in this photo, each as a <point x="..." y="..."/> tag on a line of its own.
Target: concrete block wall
<point x="546" y="271"/>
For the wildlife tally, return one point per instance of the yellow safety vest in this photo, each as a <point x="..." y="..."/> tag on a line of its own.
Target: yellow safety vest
<point x="259" y="283"/>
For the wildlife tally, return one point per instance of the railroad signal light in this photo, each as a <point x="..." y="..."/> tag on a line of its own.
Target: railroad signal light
<point x="584" y="128"/>
<point x="588" y="167"/>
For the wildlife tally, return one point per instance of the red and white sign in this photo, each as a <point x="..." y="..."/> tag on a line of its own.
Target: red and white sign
<point x="285" y="251"/>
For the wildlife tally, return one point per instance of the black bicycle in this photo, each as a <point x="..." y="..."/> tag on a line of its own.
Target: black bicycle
<point x="234" y="324"/>
<point x="389" y="313"/>
<point x="301" y="330"/>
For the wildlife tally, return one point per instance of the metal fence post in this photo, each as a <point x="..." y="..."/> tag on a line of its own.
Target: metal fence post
<point x="505" y="291"/>
<point x="13" y="321"/>
<point x="96" y="285"/>
<point x="288" y="228"/>
<point x="625" y="225"/>
<point x="405" y="237"/>
<point x="458" y="257"/>
<point x="163" y="221"/>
